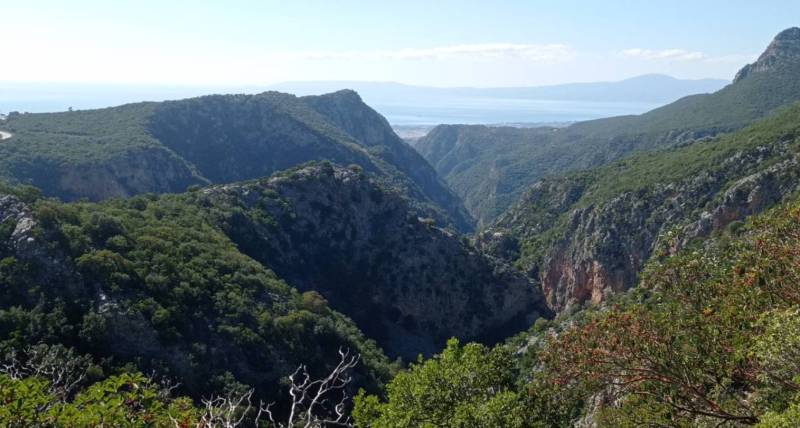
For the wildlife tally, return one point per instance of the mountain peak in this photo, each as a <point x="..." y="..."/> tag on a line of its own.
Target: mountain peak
<point x="785" y="47"/>
<point x="348" y="95"/>
<point x="790" y="34"/>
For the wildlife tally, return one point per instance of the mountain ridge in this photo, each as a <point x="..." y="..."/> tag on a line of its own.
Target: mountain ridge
<point x="165" y="147"/>
<point x="646" y="87"/>
<point x="490" y="168"/>
<point x="785" y="47"/>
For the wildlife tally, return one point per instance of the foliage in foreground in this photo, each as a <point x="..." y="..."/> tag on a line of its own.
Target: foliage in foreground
<point x="124" y="400"/>
<point x="463" y="386"/>
<point x="47" y="387"/>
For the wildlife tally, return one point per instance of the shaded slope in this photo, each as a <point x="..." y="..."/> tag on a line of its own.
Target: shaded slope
<point x="407" y="284"/>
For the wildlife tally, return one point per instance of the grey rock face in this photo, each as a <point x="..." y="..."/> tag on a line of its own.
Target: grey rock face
<point x="607" y="246"/>
<point x="603" y="246"/>
<point x="50" y="266"/>
<point x="785" y="48"/>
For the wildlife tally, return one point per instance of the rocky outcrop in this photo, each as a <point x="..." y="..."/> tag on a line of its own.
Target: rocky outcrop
<point x="19" y="220"/>
<point x="407" y="283"/>
<point x="19" y="239"/>
<point x="785" y="48"/>
<point x="606" y="245"/>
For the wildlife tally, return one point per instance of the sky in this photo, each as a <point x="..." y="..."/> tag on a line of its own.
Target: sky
<point x="435" y="43"/>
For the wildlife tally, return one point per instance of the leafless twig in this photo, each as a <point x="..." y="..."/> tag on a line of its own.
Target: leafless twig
<point x="311" y="405"/>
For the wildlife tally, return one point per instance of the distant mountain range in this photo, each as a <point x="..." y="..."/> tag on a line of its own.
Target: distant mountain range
<point x="649" y="88"/>
<point x="409" y="106"/>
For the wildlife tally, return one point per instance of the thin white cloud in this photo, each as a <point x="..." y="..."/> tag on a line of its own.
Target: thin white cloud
<point x="664" y="54"/>
<point x="544" y="53"/>
<point x="550" y="53"/>
<point x="683" y="55"/>
<point x="733" y="59"/>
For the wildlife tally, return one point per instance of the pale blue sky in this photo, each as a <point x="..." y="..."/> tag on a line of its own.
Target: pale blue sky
<point x="441" y="43"/>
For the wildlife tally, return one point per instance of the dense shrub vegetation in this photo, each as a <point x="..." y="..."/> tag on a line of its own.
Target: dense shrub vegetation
<point x="464" y="386"/>
<point x="151" y="282"/>
<point x="122" y="400"/>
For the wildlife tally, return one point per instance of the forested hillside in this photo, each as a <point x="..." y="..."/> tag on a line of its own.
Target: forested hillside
<point x="150" y="284"/>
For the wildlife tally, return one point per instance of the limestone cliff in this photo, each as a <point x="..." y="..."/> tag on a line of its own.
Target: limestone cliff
<point x="783" y="51"/>
<point x="583" y="238"/>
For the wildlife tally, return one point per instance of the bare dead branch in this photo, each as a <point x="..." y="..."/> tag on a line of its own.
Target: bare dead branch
<point x="311" y="404"/>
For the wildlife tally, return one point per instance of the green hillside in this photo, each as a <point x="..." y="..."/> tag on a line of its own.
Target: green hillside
<point x="149" y="283"/>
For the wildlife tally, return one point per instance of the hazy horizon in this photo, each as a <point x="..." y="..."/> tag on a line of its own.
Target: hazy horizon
<point x="345" y="81"/>
<point x="402" y="105"/>
<point x="259" y="43"/>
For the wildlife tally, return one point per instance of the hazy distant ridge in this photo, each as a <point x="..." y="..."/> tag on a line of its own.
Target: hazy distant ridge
<point x="401" y="104"/>
<point x="650" y="88"/>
